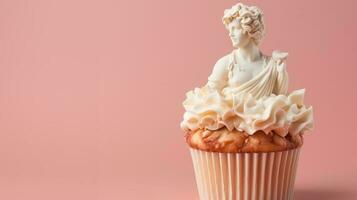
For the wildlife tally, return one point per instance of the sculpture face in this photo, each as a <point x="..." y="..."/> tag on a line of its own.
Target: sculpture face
<point x="238" y="37"/>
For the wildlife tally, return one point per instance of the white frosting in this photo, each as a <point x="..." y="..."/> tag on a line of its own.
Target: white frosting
<point x="206" y="108"/>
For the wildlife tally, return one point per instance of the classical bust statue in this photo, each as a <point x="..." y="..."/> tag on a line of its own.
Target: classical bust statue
<point x="246" y="69"/>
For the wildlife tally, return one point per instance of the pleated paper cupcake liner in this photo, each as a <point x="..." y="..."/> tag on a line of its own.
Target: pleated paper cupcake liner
<point x="245" y="176"/>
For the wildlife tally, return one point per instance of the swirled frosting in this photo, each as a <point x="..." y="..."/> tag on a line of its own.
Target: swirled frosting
<point x="246" y="109"/>
<point x="206" y="109"/>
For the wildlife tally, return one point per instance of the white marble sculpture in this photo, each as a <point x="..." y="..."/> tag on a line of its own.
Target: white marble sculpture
<point x="246" y="69"/>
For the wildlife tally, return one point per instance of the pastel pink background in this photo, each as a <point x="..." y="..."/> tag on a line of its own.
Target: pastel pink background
<point x="91" y="93"/>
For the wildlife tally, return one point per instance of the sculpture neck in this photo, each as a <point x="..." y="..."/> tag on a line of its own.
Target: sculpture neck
<point x="249" y="52"/>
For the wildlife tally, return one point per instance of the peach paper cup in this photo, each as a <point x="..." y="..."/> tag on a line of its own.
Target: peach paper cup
<point x="245" y="176"/>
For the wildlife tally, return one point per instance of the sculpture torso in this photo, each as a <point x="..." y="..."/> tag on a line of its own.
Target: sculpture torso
<point x="240" y="72"/>
<point x="261" y="78"/>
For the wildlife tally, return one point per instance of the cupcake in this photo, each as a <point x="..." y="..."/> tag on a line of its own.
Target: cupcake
<point x="244" y="129"/>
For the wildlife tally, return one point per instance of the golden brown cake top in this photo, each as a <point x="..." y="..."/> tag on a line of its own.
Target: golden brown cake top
<point x="226" y="141"/>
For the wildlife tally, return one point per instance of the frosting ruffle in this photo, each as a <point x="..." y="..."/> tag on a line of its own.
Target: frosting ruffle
<point x="206" y="108"/>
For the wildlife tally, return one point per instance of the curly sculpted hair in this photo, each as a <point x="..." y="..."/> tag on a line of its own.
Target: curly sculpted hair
<point x="250" y="19"/>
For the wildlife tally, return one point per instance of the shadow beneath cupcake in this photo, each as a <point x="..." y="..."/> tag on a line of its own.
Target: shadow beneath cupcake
<point x="307" y="194"/>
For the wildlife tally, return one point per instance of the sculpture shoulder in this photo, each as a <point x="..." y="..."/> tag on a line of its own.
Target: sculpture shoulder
<point x="279" y="58"/>
<point x="279" y="55"/>
<point x="220" y="69"/>
<point x="223" y="62"/>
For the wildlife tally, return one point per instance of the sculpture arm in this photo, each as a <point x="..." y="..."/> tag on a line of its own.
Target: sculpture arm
<point x="282" y="81"/>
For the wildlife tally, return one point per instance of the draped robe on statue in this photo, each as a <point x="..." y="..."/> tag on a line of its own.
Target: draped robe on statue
<point x="269" y="81"/>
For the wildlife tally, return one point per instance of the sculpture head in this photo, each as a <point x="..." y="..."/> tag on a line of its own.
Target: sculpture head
<point x="245" y="24"/>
